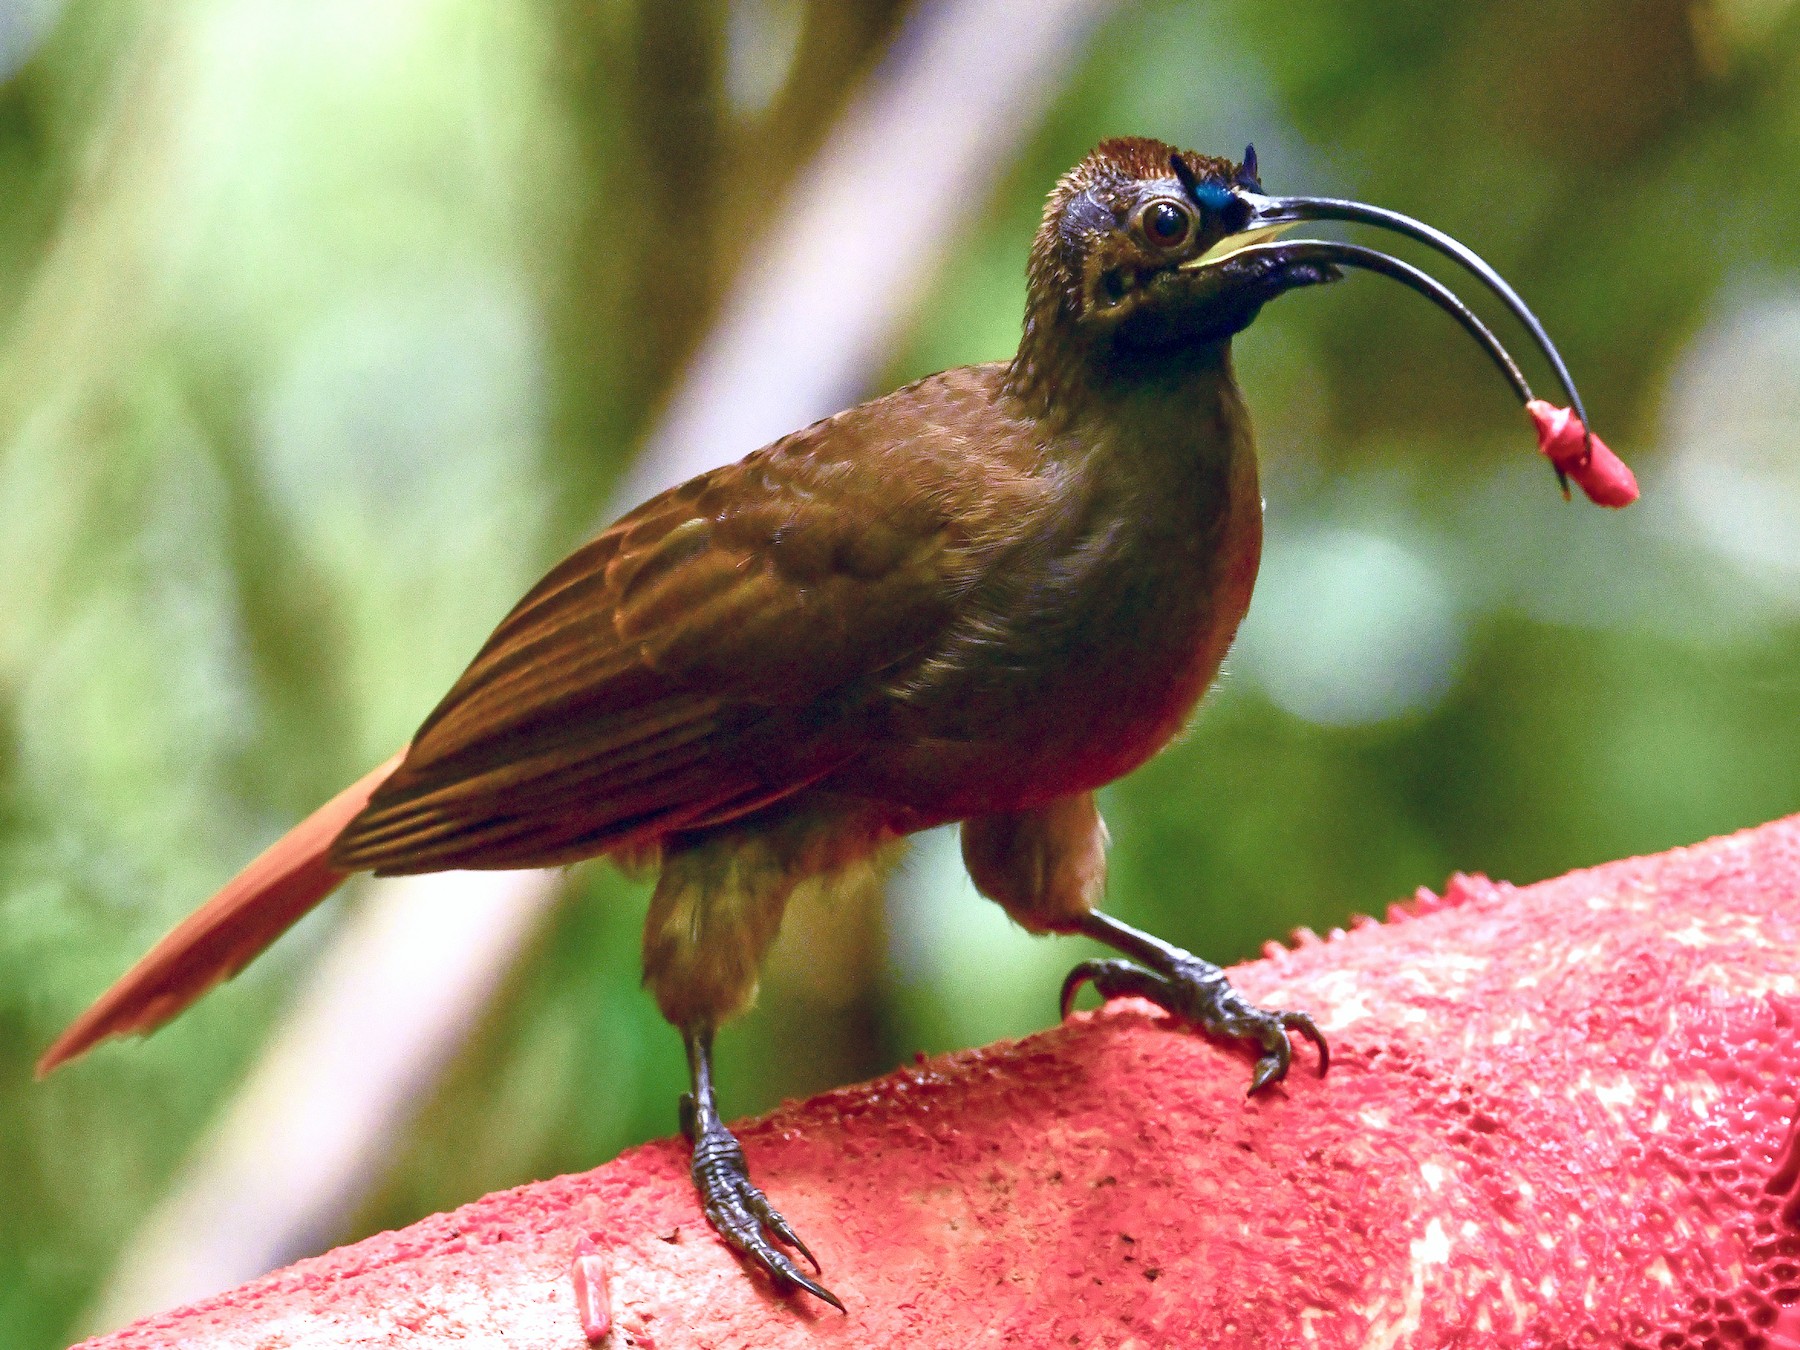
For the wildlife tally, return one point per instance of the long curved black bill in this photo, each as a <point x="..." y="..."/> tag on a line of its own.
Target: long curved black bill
<point x="1271" y="213"/>
<point x="1373" y="260"/>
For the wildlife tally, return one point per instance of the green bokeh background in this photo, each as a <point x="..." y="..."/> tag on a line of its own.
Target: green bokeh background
<point x="330" y="325"/>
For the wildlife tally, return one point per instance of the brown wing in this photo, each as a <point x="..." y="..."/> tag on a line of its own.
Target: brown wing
<point x="713" y="651"/>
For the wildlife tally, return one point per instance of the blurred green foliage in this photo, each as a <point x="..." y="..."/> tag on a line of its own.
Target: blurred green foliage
<point x="330" y="326"/>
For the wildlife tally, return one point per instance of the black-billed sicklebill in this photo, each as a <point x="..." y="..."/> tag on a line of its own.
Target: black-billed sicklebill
<point x="976" y="599"/>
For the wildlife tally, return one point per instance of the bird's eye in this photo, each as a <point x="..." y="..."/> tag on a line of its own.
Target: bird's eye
<point x="1166" y="224"/>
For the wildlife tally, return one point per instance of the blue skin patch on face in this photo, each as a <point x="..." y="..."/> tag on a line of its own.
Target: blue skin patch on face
<point x="1213" y="195"/>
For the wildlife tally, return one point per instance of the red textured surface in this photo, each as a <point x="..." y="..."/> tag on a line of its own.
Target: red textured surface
<point x="1560" y="1115"/>
<point x="1565" y="440"/>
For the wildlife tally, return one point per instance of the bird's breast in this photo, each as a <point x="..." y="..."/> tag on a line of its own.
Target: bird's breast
<point x="1083" y="654"/>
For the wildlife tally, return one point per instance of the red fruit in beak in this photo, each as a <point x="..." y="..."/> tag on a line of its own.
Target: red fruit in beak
<point x="1607" y="479"/>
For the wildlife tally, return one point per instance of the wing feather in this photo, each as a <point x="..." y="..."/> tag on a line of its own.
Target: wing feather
<point x="720" y="647"/>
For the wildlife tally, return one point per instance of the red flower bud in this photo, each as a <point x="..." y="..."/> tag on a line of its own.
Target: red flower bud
<point x="1606" y="478"/>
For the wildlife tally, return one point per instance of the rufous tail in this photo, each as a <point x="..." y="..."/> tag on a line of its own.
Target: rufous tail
<point x="220" y="938"/>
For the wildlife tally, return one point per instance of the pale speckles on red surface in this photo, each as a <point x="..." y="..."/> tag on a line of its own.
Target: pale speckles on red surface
<point x="1550" y="1120"/>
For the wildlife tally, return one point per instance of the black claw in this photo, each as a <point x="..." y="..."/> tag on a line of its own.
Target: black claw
<point x="1271" y="1027"/>
<point x="1300" y="1022"/>
<point x="773" y="1220"/>
<point x="1270" y="1067"/>
<point x="813" y="1287"/>
<point x="1095" y="970"/>
<point x="768" y="1217"/>
<point x="1113" y="980"/>
<point x="1071" y="986"/>
<point x="778" y="1264"/>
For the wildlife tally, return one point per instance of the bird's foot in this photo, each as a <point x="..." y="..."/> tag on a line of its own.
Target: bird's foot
<point x="739" y="1212"/>
<point x="1198" y="992"/>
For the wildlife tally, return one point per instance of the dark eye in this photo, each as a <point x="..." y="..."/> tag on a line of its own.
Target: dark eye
<point x="1166" y="224"/>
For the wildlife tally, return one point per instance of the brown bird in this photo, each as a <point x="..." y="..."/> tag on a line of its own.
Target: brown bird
<point x="977" y="599"/>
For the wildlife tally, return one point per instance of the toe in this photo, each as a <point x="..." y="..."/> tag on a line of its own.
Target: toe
<point x="1120" y="979"/>
<point x="772" y="1220"/>
<point x="777" y="1262"/>
<point x="778" y="1265"/>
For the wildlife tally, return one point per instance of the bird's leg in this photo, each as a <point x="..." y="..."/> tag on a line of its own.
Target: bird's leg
<point x="736" y="1209"/>
<point x="1193" y="990"/>
<point x="1047" y="868"/>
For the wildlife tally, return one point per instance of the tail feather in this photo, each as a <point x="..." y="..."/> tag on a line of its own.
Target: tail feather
<point x="220" y="938"/>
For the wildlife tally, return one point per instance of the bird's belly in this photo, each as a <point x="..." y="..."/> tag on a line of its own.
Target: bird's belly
<point x="1022" y="744"/>
<point x="1075" y="712"/>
